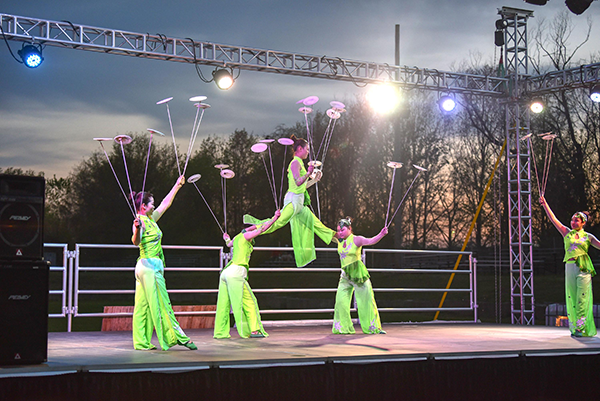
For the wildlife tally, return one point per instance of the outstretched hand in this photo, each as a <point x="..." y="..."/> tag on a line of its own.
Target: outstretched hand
<point x="226" y="237"/>
<point x="137" y="223"/>
<point x="180" y="181"/>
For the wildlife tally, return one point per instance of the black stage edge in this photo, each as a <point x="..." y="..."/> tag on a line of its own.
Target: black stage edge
<point x="465" y="362"/>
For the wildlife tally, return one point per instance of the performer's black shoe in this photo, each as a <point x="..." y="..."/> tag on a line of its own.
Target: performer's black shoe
<point x="577" y="333"/>
<point x="257" y="335"/>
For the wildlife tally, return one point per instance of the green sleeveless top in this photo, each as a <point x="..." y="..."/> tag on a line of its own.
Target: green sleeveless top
<point x="350" y="258"/>
<point x="242" y="249"/>
<point x="150" y="246"/>
<point x="577" y="244"/>
<point x="292" y="187"/>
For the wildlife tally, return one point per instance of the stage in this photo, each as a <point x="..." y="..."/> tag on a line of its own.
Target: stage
<point x="426" y="360"/>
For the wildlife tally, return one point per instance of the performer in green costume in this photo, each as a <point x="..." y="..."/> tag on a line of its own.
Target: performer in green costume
<point x="235" y="292"/>
<point x="579" y="271"/>
<point x="355" y="277"/>
<point x="303" y="223"/>
<point x="153" y="308"/>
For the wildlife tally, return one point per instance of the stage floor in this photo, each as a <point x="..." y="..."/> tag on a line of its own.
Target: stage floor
<point x="302" y="345"/>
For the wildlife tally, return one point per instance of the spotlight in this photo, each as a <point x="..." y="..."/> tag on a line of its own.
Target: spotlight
<point x="383" y="98"/>
<point x="578" y="6"/>
<point x="537" y="106"/>
<point x="501" y="23"/>
<point x="223" y="78"/>
<point x="446" y="103"/>
<point x="31" y="55"/>
<point x="595" y="93"/>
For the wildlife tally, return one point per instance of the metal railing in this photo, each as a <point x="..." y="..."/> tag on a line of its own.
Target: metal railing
<point x="72" y="292"/>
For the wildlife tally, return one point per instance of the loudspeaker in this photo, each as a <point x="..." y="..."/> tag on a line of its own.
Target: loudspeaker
<point x="21" y="217"/>
<point x="24" y="312"/>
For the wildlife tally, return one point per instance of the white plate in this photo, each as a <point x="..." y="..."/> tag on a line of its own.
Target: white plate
<point x="167" y="100"/>
<point x="198" y="98"/>
<point x="221" y="166"/>
<point x="267" y="140"/>
<point x="103" y="139"/>
<point x="305" y="110"/>
<point x="202" y="105"/>
<point x="394" y="165"/>
<point x="333" y="114"/>
<point x="419" y="167"/>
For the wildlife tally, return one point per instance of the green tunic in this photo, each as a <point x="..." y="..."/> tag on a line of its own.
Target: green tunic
<point x="303" y="223"/>
<point x="579" y="271"/>
<point x="350" y="258"/>
<point x="153" y="310"/>
<point x="236" y="295"/>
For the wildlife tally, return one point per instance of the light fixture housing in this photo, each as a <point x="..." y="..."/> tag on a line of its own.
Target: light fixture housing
<point x="31" y="55"/>
<point x="578" y="6"/>
<point x="595" y="93"/>
<point x="537" y="106"/>
<point x="447" y="104"/>
<point x="223" y="78"/>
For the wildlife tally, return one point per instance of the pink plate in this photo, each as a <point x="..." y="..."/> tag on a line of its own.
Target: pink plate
<point x="153" y="131"/>
<point x="285" y="141"/>
<point x="221" y="166"/>
<point x="167" y="100"/>
<point x="259" y="147"/>
<point x="549" y="137"/>
<point x="227" y="174"/>
<point x="309" y="101"/>
<point x="193" y="178"/>
<point x="527" y="136"/>
<point x="333" y="114"/>
<point x="337" y="105"/>
<point x="123" y="139"/>
<point x="305" y="110"/>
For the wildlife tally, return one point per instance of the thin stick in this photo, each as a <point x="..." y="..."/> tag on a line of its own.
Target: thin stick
<point x="537" y="176"/>
<point x="271" y="184"/>
<point x="118" y="182"/>
<point x="400" y="204"/>
<point x="208" y="206"/>
<point x="390" y="198"/>
<point x="173" y="136"/>
<point x="273" y="178"/>
<point x="282" y="175"/>
<point x="147" y="159"/>
<point x="126" y="170"/>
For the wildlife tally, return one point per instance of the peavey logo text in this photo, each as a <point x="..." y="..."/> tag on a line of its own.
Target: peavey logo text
<point x="19" y="218"/>
<point x="19" y="297"/>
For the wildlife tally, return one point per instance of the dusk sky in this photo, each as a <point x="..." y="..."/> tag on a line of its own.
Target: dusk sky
<point x="49" y="115"/>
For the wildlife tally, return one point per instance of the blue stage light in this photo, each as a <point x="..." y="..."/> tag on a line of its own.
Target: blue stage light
<point x="447" y="103"/>
<point x="31" y="55"/>
<point x="595" y="93"/>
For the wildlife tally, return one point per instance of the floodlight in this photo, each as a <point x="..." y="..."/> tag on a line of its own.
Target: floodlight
<point x="501" y="23"/>
<point x="383" y="98"/>
<point x="578" y="6"/>
<point x="595" y="93"/>
<point x="223" y="78"/>
<point x="31" y="55"/>
<point x="447" y="103"/>
<point x="537" y="106"/>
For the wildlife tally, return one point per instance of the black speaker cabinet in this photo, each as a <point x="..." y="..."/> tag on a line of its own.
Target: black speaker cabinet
<point x="21" y="217"/>
<point x="24" y="312"/>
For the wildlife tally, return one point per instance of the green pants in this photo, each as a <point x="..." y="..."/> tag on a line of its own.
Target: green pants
<point x="303" y="224"/>
<point x="580" y="300"/>
<point x="153" y="308"/>
<point x="235" y="294"/>
<point x="367" y="308"/>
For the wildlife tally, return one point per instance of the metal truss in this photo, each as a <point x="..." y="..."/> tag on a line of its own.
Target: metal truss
<point x="161" y="47"/>
<point x="519" y="171"/>
<point x="579" y="77"/>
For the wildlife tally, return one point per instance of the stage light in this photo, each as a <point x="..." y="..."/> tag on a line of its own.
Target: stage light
<point x="578" y="6"/>
<point x="383" y="98"/>
<point x="595" y="93"/>
<point x="31" y="55"/>
<point x="537" y="106"/>
<point x="223" y="78"/>
<point x="447" y="103"/>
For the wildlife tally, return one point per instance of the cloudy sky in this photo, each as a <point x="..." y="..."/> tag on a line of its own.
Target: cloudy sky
<point x="49" y="115"/>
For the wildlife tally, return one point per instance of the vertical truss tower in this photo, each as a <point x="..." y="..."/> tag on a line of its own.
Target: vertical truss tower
<point x="518" y="164"/>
